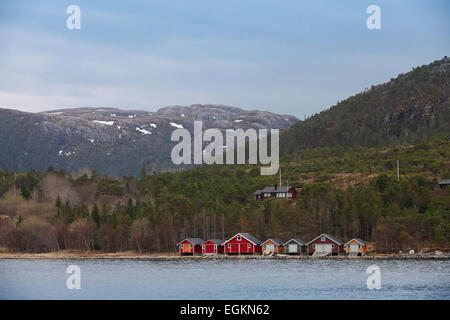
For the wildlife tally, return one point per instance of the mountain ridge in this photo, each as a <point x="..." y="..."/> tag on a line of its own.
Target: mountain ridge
<point x="110" y="140"/>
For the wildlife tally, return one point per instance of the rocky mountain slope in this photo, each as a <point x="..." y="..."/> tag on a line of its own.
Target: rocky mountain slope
<point x="112" y="141"/>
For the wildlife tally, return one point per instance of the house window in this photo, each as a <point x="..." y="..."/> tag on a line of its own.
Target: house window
<point x="181" y="246"/>
<point x="203" y="246"/>
<point x="322" y="239"/>
<point x="289" y="195"/>
<point x="239" y="238"/>
<point x="229" y="246"/>
<point x="248" y="246"/>
<point x="314" y="246"/>
<point x="215" y="246"/>
<point x="332" y="246"/>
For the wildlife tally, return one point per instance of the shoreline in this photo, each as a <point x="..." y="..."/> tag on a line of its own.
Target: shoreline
<point x="67" y="255"/>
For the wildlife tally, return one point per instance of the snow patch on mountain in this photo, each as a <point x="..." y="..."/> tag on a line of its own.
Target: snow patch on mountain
<point x="108" y="123"/>
<point x="145" y="132"/>
<point x="176" y="125"/>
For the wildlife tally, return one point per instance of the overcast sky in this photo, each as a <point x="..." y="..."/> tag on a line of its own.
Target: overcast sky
<point x="294" y="57"/>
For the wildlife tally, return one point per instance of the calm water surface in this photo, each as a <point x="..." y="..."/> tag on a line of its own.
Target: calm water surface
<point x="224" y="279"/>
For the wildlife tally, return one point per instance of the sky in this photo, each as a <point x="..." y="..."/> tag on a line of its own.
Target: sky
<point x="292" y="57"/>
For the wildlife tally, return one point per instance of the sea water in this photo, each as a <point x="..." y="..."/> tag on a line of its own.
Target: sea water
<point x="223" y="279"/>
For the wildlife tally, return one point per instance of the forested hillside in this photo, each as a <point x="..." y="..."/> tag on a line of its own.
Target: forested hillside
<point x="349" y="192"/>
<point x="407" y="109"/>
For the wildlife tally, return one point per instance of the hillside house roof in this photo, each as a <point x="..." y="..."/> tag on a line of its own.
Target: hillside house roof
<point x="273" y="189"/>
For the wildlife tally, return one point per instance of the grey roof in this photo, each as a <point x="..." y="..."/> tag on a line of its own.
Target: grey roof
<point x="251" y="238"/>
<point x="272" y="189"/>
<point x="194" y="241"/>
<point x="445" y="181"/>
<point x="359" y="240"/>
<point x="334" y="239"/>
<point x="275" y="240"/>
<point x="299" y="241"/>
<point x="329" y="236"/>
<point x="216" y="241"/>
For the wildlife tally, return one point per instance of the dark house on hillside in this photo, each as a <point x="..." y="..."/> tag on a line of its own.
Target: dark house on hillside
<point x="287" y="192"/>
<point x="444" y="183"/>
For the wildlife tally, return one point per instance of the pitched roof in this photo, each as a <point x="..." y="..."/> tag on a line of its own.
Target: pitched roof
<point x="251" y="238"/>
<point x="194" y="241"/>
<point x="272" y="189"/>
<point x="445" y="181"/>
<point x="247" y="236"/>
<point x="299" y="241"/>
<point x="329" y="236"/>
<point x="359" y="240"/>
<point x="275" y="240"/>
<point x="216" y="241"/>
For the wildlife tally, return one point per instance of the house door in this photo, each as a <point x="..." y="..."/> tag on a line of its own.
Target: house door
<point x="244" y="248"/>
<point x="292" y="248"/>
<point x="323" y="248"/>
<point x="187" y="248"/>
<point x="354" y="247"/>
<point x="234" y="248"/>
<point x="270" y="247"/>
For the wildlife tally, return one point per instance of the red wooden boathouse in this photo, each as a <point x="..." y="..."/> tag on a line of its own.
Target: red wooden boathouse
<point x="242" y="243"/>
<point x="190" y="246"/>
<point x="213" y="246"/>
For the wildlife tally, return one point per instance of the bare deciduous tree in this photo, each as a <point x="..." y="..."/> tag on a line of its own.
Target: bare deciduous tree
<point x="54" y="186"/>
<point x="82" y="234"/>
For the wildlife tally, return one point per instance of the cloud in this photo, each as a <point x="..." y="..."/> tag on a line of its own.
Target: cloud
<point x="41" y="71"/>
<point x="51" y="71"/>
<point x="288" y="58"/>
